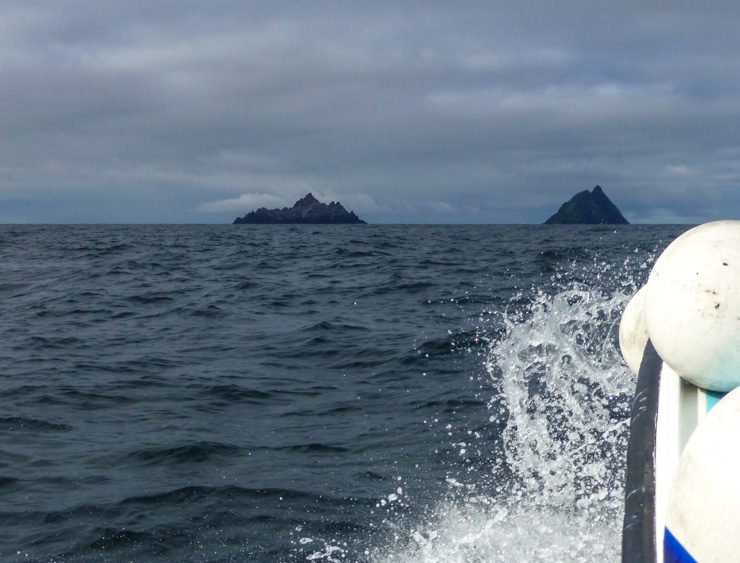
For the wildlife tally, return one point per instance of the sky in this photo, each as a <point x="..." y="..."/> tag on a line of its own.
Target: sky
<point x="406" y="112"/>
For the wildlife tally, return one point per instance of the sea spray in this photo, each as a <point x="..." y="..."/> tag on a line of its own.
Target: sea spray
<point x="566" y="393"/>
<point x="561" y="394"/>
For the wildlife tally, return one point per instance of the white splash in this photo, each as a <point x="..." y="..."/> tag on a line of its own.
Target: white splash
<point x="564" y="389"/>
<point x="470" y="533"/>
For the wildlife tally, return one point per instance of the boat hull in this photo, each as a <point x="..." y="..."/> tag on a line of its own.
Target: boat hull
<point x="666" y="411"/>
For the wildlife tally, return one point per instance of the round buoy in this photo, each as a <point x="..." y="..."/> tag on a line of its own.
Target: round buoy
<point x="633" y="334"/>
<point x="692" y="305"/>
<point x="704" y="498"/>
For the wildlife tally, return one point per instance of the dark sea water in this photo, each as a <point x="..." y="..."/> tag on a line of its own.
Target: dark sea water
<point x="315" y="393"/>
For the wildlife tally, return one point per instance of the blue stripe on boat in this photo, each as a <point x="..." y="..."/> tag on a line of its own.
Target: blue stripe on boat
<point x="713" y="397"/>
<point x="673" y="551"/>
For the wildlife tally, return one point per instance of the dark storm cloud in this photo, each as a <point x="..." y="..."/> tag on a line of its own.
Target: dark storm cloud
<point x="436" y="112"/>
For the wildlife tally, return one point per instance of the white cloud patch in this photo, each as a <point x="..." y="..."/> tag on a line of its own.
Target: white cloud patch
<point x="681" y="171"/>
<point x="243" y="203"/>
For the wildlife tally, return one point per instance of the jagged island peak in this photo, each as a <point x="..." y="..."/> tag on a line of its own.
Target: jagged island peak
<point x="588" y="208"/>
<point x="308" y="210"/>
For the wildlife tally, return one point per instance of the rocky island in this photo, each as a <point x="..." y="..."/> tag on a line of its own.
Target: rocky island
<point x="306" y="210"/>
<point x="588" y="208"/>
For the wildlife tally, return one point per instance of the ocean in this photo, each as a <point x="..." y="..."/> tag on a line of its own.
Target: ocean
<point x="315" y="393"/>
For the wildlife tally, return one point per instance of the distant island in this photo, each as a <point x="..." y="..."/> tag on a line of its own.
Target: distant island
<point x="588" y="208"/>
<point x="306" y="210"/>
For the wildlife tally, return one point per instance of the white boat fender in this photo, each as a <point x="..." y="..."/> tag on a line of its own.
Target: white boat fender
<point x="701" y="520"/>
<point x="692" y="305"/>
<point x="633" y="334"/>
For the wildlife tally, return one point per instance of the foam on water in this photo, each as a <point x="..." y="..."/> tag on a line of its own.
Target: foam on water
<point x="466" y="533"/>
<point x="563" y="396"/>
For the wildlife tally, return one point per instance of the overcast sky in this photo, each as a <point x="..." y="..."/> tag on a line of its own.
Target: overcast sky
<point x="418" y="112"/>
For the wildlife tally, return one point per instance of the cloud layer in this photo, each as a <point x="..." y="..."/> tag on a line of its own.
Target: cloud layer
<point x="405" y="112"/>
